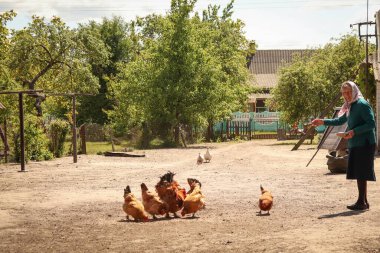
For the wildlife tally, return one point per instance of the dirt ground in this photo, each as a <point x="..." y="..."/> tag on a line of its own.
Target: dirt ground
<point x="59" y="206"/>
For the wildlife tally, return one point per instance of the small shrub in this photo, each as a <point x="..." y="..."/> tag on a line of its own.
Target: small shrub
<point x="36" y="141"/>
<point x="58" y="130"/>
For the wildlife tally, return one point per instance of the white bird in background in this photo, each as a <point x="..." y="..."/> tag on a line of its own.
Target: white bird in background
<point x="207" y="156"/>
<point x="200" y="159"/>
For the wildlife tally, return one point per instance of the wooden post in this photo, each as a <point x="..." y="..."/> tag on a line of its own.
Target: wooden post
<point x="22" y="139"/>
<point x="6" y="141"/>
<point x="75" y="156"/>
<point x="221" y="131"/>
<point x="249" y="129"/>
<point x="277" y="128"/>
<point x="82" y="134"/>
<point x="227" y="129"/>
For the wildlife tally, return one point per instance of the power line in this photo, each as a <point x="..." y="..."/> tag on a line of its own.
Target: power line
<point x="241" y="6"/>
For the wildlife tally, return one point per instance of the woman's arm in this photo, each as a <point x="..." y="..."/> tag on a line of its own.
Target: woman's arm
<point x="335" y="122"/>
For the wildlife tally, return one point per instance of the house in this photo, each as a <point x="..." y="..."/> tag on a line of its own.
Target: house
<point x="264" y="67"/>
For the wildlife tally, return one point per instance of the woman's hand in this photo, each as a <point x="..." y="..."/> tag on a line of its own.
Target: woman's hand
<point x="349" y="135"/>
<point x="317" y="122"/>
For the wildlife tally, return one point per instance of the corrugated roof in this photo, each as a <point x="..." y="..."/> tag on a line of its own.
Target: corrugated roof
<point x="265" y="80"/>
<point x="266" y="63"/>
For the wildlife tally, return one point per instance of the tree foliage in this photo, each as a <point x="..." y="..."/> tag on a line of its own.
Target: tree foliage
<point x="308" y="85"/>
<point x="191" y="71"/>
<point x="117" y="36"/>
<point x="45" y="55"/>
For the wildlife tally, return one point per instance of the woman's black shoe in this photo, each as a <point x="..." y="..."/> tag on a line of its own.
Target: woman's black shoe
<point x="358" y="207"/>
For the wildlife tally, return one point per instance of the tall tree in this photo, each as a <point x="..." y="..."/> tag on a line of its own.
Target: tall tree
<point x="225" y="74"/>
<point x="51" y="56"/>
<point x="118" y="36"/>
<point x="189" y="71"/>
<point x="5" y="75"/>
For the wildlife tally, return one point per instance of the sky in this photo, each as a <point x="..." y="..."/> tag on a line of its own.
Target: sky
<point x="273" y="24"/>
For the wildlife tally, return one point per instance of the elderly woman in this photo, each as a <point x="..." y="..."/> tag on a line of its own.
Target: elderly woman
<point x="361" y="139"/>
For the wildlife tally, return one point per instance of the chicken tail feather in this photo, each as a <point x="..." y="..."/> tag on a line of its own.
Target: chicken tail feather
<point x="127" y="190"/>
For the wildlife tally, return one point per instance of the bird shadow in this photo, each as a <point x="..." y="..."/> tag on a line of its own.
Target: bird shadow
<point x="131" y="221"/>
<point x="157" y="219"/>
<point x="342" y="214"/>
<point x="262" y="214"/>
<point x="150" y="220"/>
<point x="191" y="217"/>
<point x="162" y="219"/>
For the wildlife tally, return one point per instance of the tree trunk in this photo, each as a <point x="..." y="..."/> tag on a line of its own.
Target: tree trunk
<point x="176" y="130"/>
<point x="210" y="132"/>
<point x="176" y="135"/>
<point x="183" y="137"/>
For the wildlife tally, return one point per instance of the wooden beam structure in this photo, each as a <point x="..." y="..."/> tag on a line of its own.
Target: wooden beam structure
<point x="21" y="117"/>
<point x="74" y="128"/>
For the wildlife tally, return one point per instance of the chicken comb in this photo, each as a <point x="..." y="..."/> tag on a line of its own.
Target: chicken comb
<point x="168" y="177"/>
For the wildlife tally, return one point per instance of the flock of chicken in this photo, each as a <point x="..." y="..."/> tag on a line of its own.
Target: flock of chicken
<point x="169" y="197"/>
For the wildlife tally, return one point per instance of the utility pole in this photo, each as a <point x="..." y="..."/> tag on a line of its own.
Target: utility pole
<point x="366" y="36"/>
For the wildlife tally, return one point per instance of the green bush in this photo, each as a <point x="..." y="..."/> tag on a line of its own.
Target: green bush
<point x="36" y="141"/>
<point x="58" y="130"/>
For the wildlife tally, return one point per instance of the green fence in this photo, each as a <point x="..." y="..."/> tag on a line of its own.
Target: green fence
<point x="248" y="124"/>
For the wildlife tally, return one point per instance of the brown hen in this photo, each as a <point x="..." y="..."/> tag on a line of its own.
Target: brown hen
<point x="133" y="207"/>
<point x="195" y="200"/>
<point x="152" y="203"/>
<point x="171" y="193"/>
<point x="265" y="200"/>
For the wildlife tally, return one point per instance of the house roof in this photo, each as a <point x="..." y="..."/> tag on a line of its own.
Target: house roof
<point x="265" y="64"/>
<point x="265" y="80"/>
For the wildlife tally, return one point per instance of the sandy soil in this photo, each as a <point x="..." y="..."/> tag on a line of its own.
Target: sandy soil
<point x="59" y="206"/>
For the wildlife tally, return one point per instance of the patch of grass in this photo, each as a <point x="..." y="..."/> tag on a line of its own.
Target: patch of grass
<point x="294" y="142"/>
<point x="159" y="143"/>
<point x="100" y="147"/>
<point x="263" y="132"/>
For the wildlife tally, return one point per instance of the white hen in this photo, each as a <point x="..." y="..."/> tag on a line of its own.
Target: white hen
<point x="200" y="159"/>
<point x="207" y="156"/>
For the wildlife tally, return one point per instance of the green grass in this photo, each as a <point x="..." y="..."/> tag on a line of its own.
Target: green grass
<point x="294" y="142"/>
<point x="94" y="148"/>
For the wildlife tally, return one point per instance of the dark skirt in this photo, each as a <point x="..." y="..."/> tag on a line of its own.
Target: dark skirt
<point x="361" y="163"/>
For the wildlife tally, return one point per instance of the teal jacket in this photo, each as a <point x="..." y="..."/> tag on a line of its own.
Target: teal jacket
<point x="361" y="120"/>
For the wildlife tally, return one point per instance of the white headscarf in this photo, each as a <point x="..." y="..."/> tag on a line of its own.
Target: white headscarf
<point x="356" y="94"/>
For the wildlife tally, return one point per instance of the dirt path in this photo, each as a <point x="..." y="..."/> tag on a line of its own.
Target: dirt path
<point x="59" y="206"/>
